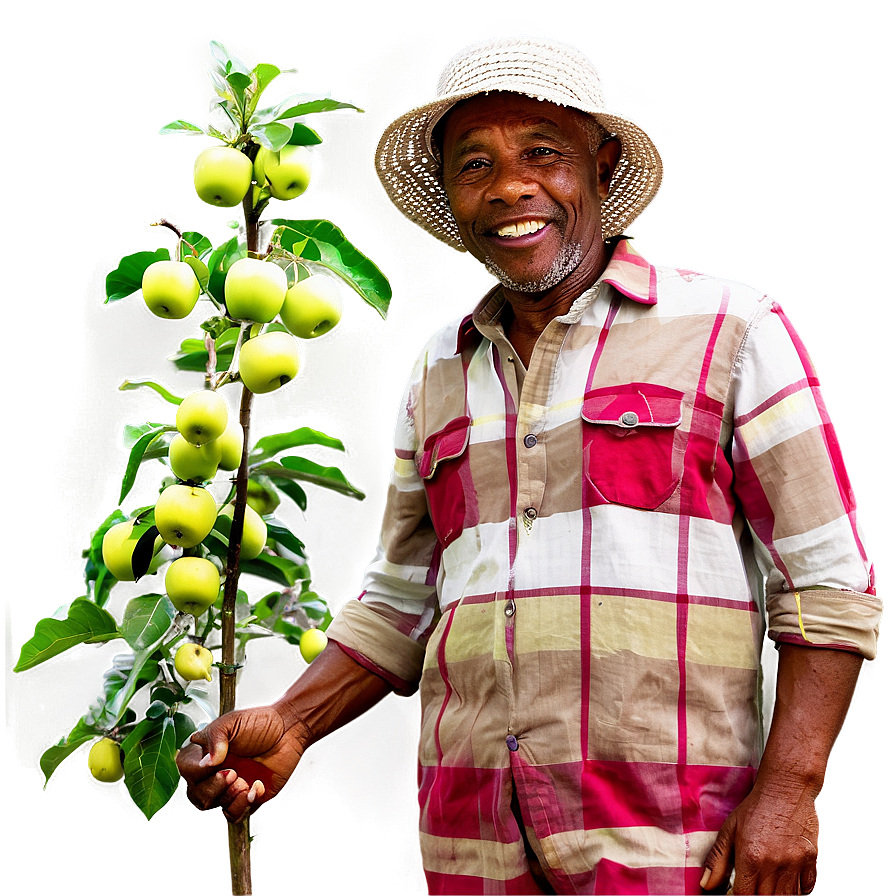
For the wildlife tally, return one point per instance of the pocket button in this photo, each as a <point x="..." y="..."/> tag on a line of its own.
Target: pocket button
<point x="629" y="418"/>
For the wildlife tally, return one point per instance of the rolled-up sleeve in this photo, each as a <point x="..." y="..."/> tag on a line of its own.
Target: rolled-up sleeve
<point x="386" y="629"/>
<point x="796" y="496"/>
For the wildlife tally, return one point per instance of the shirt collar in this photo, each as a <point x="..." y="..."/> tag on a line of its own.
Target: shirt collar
<point x="627" y="271"/>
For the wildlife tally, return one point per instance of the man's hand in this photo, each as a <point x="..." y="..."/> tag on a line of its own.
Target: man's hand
<point x="771" y="840"/>
<point x="239" y="761"/>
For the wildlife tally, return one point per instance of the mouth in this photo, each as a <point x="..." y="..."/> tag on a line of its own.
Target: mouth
<point x="519" y="229"/>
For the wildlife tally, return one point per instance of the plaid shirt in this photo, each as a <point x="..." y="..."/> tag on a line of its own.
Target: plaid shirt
<point x="577" y="565"/>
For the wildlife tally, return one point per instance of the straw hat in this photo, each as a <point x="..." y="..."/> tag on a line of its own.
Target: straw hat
<point x="409" y="167"/>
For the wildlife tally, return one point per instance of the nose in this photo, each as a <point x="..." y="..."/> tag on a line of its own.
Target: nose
<point x="511" y="182"/>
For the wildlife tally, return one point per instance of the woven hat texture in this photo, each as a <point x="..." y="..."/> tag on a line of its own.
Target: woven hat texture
<point x="408" y="165"/>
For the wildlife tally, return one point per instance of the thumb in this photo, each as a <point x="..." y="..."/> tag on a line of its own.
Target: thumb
<point x="214" y="742"/>
<point x="720" y="859"/>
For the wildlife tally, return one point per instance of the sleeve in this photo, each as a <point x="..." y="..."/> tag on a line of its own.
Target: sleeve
<point x="796" y="496"/>
<point x="386" y="629"/>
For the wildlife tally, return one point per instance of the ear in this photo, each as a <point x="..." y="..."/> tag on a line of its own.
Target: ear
<point x="607" y="157"/>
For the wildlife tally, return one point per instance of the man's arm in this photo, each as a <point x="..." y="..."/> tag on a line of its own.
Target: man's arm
<point x="771" y="839"/>
<point x="246" y="757"/>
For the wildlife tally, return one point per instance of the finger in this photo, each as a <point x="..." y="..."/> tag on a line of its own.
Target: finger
<point x="720" y="860"/>
<point x="808" y="877"/>
<point x="189" y="764"/>
<point x="209" y="793"/>
<point x="236" y="804"/>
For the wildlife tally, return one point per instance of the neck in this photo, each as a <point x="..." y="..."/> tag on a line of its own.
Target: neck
<point x="527" y="314"/>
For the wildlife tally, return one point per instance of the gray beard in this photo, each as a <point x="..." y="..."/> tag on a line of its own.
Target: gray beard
<point x="566" y="261"/>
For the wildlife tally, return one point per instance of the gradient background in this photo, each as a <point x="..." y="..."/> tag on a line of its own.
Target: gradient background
<point x="774" y="124"/>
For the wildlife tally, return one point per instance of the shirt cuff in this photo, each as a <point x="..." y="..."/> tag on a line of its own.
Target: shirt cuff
<point x="372" y="642"/>
<point x="824" y="617"/>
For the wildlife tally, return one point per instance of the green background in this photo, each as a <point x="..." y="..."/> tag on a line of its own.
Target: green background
<point x="771" y="120"/>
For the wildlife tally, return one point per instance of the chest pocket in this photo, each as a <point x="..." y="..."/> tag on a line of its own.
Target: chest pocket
<point x="444" y="466"/>
<point x="632" y="451"/>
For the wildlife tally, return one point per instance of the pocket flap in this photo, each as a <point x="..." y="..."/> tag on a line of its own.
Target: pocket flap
<point x="635" y="404"/>
<point x="450" y="441"/>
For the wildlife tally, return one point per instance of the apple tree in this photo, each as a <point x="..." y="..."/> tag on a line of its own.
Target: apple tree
<point x="214" y="517"/>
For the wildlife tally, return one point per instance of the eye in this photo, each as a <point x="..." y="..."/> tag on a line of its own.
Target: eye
<point x="542" y="152"/>
<point x="474" y="165"/>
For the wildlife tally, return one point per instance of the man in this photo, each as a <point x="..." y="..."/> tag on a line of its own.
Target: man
<point x="606" y="478"/>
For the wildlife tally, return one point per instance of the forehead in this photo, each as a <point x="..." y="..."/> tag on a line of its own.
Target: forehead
<point x="504" y="110"/>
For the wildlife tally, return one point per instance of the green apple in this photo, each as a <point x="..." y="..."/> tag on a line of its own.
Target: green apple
<point x="119" y="543"/>
<point x="185" y="514"/>
<point x="170" y="289"/>
<point x="202" y="416"/>
<point x="192" y="584"/>
<point x="287" y="172"/>
<point x="312" y="643"/>
<point x="312" y="307"/>
<point x="231" y="444"/>
<point x="268" y="361"/>
<point x="194" y="463"/>
<point x="254" y="290"/>
<point x="222" y="175"/>
<point x="193" y="662"/>
<point x="261" y="499"/>
<point x="255" y="532"/>
<point x="104" y="761"/>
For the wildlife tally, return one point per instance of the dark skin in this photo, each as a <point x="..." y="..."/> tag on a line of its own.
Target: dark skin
<point x="525" y="187"/>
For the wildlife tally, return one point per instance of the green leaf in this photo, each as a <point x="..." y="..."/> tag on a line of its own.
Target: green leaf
<point x="199" y="269"/>
<point x="302" y="469"/>
<point x="266" y="606"/>
<point x="136" y="457"/>
<point x="276" y="569"/>
<point x="289" y="630"/>
<point x="97" y="577"/>
<point x="302" y="135"/>
<point x="156" y="710"/>
<point x="52" y="757"/>
<point x="324" y="243"/>
<point x="86" y="623"/>
<point x="292" y="490"/>
<point x="219" y="263"/>
<point x="222" y="55"/>
<point x="291" y="109"/>
<point x="285" y="537"/>
<point x="127" y="278"/>
<point x="222" y="88"/>
<point x="268" y="446"/>
<point x="184" y="726"/>
<point x="181" y="127"/>
<point x="239" y="82"/>
<point x="141" y="670"/>
<point x="273" y="135"/>
<point x="150" y="772"/>
<point x="220" y="135"/>
<point x="193" y="244"/>
<point x="146" y="619"/>
<point x="170" y="397"/>
<point x="264" y="73"/>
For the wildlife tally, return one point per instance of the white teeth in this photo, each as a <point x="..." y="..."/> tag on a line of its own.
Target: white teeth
<point x="521" y="229"/>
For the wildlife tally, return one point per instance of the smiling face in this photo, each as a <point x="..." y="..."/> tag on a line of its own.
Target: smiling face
<point x="525" y="186"/>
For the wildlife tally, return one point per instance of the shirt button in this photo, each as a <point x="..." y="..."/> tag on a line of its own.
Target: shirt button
<point x="531" y="513"/>
<point x="512" y="743"/>
<point x="629" y="418"/>
<point x="530" y="441"/>
<point x="509" y="608"/>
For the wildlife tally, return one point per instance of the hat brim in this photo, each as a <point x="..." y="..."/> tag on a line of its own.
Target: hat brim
<point x="411" y="174"/>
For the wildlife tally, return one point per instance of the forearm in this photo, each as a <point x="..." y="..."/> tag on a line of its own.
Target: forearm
<point x="333" y="691"/>
<point x="813" y="693"/>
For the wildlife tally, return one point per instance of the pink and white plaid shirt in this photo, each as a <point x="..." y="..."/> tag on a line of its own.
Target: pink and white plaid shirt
<point x="578" y="562"/>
